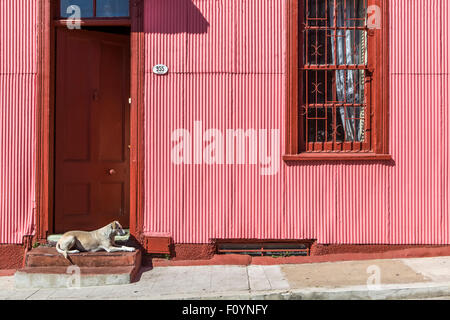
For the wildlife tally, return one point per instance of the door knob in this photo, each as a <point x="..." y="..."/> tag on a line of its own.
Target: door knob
<point x="111" y="172"/>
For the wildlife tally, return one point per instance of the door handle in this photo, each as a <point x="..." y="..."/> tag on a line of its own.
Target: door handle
<point x="111" y="172"/>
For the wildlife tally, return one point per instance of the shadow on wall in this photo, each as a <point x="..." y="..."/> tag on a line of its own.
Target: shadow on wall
<point x="174" y="16"/>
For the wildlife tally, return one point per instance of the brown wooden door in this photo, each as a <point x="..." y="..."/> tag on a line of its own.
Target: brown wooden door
<point x="91" y="130"/>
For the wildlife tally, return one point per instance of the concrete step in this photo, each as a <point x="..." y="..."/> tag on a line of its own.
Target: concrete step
<point x="46" y="268"/>
<point x="48" y="257"/>
<point x="73" y="277"/>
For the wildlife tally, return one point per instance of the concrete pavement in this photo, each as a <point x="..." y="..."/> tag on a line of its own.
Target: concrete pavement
<point x="418" y="278"/>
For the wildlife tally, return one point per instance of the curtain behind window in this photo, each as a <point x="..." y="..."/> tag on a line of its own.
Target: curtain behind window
<point x="350" y="50"/>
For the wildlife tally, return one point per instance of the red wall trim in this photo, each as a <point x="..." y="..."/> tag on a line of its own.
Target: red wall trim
<point x="43" y="125"/>
<point x="137" y="119"/>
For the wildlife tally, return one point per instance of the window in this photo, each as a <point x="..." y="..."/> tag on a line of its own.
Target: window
<point x="337" y="79"/>
<point x="96" y="8"/>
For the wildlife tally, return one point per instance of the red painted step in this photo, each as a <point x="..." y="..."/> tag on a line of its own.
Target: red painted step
<point x="49" y="257"/>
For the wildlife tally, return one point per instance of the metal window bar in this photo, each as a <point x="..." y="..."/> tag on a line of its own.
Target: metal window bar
<point x="334" y="103"/>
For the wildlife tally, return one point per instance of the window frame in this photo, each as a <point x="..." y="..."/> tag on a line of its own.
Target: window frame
<point x="378" y="64"/>
<point x="94" y="20"/>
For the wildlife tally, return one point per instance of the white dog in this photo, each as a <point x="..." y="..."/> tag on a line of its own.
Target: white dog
<point x="100" y="239"/>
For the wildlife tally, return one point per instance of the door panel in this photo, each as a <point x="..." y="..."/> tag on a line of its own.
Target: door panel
<point x="91" y="130"/>
<point x="76" y="199"/>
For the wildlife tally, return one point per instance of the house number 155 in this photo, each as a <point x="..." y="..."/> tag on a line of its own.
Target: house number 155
<point x="160" y="69"/>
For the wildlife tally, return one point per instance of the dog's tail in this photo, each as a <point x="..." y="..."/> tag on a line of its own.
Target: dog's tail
<point x="64" y="253"/>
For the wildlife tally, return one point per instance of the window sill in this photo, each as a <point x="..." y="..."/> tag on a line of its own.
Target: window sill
<point x="336" y="156"/>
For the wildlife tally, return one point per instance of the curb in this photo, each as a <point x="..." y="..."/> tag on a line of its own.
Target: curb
<point x="386" y="292"/>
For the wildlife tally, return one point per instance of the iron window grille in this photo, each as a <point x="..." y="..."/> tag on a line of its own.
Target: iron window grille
<point x="337" y="77"/>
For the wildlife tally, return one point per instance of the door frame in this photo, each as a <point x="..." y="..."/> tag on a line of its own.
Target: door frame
<point x="45" y="114"/>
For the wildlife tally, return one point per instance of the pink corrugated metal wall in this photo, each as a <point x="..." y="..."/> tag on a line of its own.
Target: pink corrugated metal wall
<point x="17" y="120"/>
<point x="227" y="69"/>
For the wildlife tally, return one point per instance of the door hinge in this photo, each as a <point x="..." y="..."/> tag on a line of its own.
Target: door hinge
<point x="129" y="100"/>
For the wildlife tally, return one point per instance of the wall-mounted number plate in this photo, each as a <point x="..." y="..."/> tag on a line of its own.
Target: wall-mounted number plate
<point x="160" y="69"/>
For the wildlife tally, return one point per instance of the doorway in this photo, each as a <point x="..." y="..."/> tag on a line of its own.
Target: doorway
<point x="92" y="128"/>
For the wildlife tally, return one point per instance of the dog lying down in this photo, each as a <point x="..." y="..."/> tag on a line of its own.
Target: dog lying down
<point x="93" y="241"/>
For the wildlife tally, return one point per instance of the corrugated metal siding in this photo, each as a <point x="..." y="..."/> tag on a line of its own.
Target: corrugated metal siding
<point x="17" y="120"/>
<point x="261" y="33"/>
<point x="163" y="181"/>
<point x="18" y="36"/>
<point x="445" y="157"/>
<point x="445" y="38"/>
<point x="17" y="125"/>
<point x="211" y="40"/>
<point x="310" y="201"/>
<point x="165" y="29"/>
<point x="216" y="85"/>
<point x="232" y="76"/>
<point x="258" y="104"/>
<point x="419" y="134"/>
<point x="227" y="67"/>
<point x="445" y="149"/>
<point x="417" y="176"/>
<point x="362" y="200"/>
<point x="208" y="99"/>
<point x="416" y="27"/>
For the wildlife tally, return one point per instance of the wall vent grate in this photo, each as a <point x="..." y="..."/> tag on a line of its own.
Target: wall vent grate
<point x="281" y="249"/>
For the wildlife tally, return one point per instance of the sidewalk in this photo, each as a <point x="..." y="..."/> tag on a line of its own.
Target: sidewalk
<point x="400" y="279"/>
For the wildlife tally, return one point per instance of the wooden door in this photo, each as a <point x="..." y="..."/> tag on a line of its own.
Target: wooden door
<point x="91" y="130"/>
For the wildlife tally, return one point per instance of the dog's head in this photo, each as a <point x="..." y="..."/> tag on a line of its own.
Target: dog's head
<point x="116" y="229"/>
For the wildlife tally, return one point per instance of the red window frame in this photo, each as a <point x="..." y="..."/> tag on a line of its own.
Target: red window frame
<point x="375" y="146"/>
